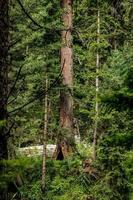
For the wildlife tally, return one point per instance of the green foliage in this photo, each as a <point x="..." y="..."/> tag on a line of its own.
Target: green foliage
<point x="37" y="51"/>
<point x="16" y="171"/>
<point x="129" y="171"/>
<point x="61" y="180"/>
<point x="31" y="192"/>
<point x="3" y="123"/>
<point x="66" y="180"/>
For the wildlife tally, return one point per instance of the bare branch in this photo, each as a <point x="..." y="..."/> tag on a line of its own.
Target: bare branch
<point x="15" y="82"/>
<point x="53" y="84"/>
<point x="28" y="15"/>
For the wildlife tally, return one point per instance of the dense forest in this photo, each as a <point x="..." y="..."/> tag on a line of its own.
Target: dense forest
<point x="66" y="100"/>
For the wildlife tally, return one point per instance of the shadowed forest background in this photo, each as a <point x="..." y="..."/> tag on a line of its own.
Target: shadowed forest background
<point x="66" y="83"/>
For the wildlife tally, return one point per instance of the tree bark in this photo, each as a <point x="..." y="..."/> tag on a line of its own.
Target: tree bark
<point x="43" y="182"/>
<point x="66" y="100"/>
<point x="4" y="46"/>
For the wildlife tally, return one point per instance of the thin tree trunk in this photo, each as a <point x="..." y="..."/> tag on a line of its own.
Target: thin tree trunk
<point x="43" y="181"/>
<point x="66" y="100"/>
<point x="97" y="87"/>
<point x="76" y="132"/>
<point x="4" y="45"/>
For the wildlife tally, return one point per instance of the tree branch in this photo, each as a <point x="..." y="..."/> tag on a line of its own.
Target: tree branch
<point x="11" y="101"/>
<point x="14" y="43"/>
<point x="9" y="130"/>
<point x="80" y="38"/>
<point x="15" y="82"/>
<point x="28" y="15"/>
<point x="53" y="84"/>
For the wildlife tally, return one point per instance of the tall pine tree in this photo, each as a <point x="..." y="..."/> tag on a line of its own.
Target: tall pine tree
<point x="4" y="47"/>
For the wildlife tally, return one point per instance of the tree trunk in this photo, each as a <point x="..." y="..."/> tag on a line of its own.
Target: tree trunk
<point x="4" y="45"/>
<point x="43" y="182"/>
<point x="66" y="100"/>
<point x="97" y="87"/>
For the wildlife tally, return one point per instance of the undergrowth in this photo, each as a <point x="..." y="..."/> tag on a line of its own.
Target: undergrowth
<point x="65" y="180"/>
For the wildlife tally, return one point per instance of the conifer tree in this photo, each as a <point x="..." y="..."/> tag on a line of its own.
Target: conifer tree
<point x="4" y="46"/>
<point x="97" y="85"/>
<point x="66" y="100"/>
